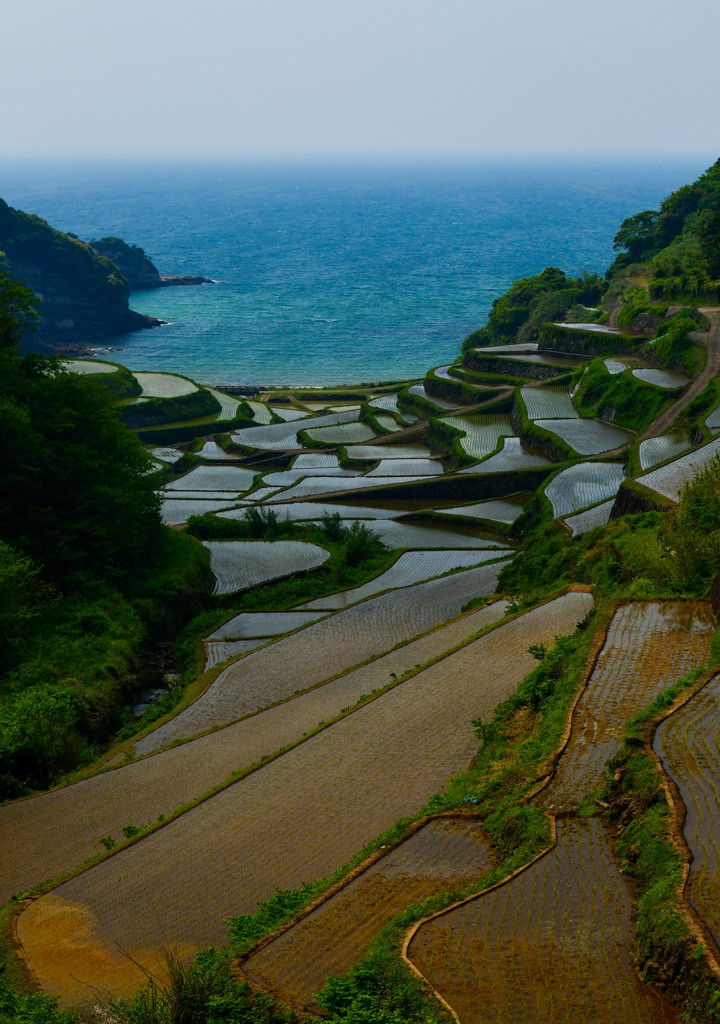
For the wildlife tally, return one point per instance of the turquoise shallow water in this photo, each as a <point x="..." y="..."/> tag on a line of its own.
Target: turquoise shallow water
<point x="336" y="274"/>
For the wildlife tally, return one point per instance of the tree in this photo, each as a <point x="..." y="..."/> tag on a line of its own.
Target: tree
<point x="636" y="233"/>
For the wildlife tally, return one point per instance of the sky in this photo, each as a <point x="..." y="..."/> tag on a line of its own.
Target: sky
<point x="358" y="78"/>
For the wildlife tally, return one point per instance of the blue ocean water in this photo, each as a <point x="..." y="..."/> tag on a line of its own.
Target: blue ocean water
<point x="332" y="274"/>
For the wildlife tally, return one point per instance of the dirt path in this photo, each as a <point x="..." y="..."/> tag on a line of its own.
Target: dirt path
<point x="301" y="817"/>
<point x="709" y="340"/>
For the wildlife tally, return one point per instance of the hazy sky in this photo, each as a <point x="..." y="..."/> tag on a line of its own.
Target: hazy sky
<point x="348" y="77"/>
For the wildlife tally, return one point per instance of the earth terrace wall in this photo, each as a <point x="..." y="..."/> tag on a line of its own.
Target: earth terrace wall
<point x="570" y="341"/>
<point x="549" y="445"/>
<point x="459" y="487"/>
<point x="506" y="367"/>
<point x="633" y="498"/>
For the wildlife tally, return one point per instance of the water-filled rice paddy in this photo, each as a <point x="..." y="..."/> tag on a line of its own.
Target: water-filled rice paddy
<point x="247" y="625"/>
<point x="212" y="450"/>
<point x="84" y="366"/>
<point x="169" y="455"/>
<point x="343" y="433"/>
<point x="585" y="521"/>
<point x="390" y="404"/>
<point x="239" y="564"/>
<point x="586" y="436"/>
<point x="649" y="645"/>
<point x="228" y="404"/>
<point x="386" y="422"/>
<point x="214" y="478"/>
<point x="175" y="511"/>
<point x="411" y="567"/>
<point x="410" y="535"/>
<point x="316" y="485"/>
<point x="227" y="497"/>
<point x="588" y="483"/>
<point x="316" y="460"/>
<point x="164" y="385"/>
<point x="671" y="478"/>
<point x="502" y="510"/>
<point x="284" y="435"/>
<point x="174" y="887"/>
<point x="615" y="365"/>
<point x="525" y="346"/>
<point x="666" y="446"/>
<point x="554" y="944"/>
<point x="288" y="477"/>
<point x="548" y="403"/>
<point x="713" y="421"/>
<point x="407" y="467"/>
<point x="220" y="650"/>
<point x="511" y="456"/>
<point x="372" y="452"/>
<point x="320" y="651"/>
<point x="261" y="494"/>
<point x="445" y="854"/>
<point x="689" y="743"/>
<point x="662" y="378"/>
<point x="481" y="434"/>
<point x="261" y="413"/>
<point x="441" y="403"/>
<point x="289" y="414"/>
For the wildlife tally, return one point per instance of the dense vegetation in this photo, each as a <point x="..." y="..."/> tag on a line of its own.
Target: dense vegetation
<point x="88" y="575"/>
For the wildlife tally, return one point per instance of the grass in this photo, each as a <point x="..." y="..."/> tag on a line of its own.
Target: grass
<point x="636" y="404"/>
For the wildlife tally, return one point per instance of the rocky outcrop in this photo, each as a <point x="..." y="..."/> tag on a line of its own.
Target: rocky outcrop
<point x="137" y="268"/>
<point x="82" y="295"/>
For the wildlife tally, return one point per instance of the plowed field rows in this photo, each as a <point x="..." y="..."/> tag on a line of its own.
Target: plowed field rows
<point x="177" y="885"/>
<point x="441" y="856"/>
<point x="548" y="403"/>
<point x="410" y="568"/>
<point x="54" y="832"/>
<point x="164" y="385"/>
<point x="588" y="437"/>
<point x="689" y="744"/>
<point x="481" y="433"/>
<point x="648" y="646"/>
<point x="320" y="651"/>
<point x="239" y="564"/>
<point x="670" y="479"/>
<point x="592" y="517"/>
<point x="585" y="484"/>
<point x="658" y="449"/>
<point x="553" y="945"/>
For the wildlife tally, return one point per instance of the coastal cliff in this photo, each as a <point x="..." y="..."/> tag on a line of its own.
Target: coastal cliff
<point x="82" y="295"/>
<point x="136" y="267"/>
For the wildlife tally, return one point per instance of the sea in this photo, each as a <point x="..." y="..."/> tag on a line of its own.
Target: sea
<point x="336" y="273"/>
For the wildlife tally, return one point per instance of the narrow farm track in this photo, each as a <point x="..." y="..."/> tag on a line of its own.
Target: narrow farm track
<point x="649" y="645"/>
<point x="552" y="945"/>
<point x="53" y="833"/>
<point x="321" y="650"/>
<point x="709" y="340"/>
<point x="688" y="743"/>
<point x="300" y="817"/>
<point x="441" y="856"/>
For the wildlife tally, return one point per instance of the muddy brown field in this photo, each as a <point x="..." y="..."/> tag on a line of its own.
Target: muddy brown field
<point x="300" y="817"/>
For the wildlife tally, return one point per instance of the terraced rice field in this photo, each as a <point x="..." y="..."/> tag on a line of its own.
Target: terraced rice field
<point x="407" y="467"/>
<point x="317" y="485"/>
<point x="288" y="477"/>
<point x="66" y="825"/>
<point x="441" y="856"/>
<point x="289" y="414"/>
<point x="261" y="413"/>
<point x="441" y="403"/>
<point x="174" y="888"/>
<point x="412" y="567"/>
<point x="262" y="624"/>
<point x="390" y="404"/>
<point x="671" y="478"/>
<point x="228" y="404"/>
<point x="316" y="460"/>
<point x="168" y="455"/>
<point x="588" y="483"/>
<point x="512" y="456"/>
<point x="586" y="436"/>
<point x="481" y="434"/>
<point x="667" y="446"/>
<point x="552" y="945"/>
<point x="583" y="522"/>
<point x="386" y="422"/>
<point x="615" y="366"/>
<point x="284" y="435"/>
<point x="227" y="497"/>
<point x="526" y="346"/>
<point x="303" y="510"/>
<point x="343" y="433"/>
<point x="548" y="404"/>
<point x="83" y="366"/>
<point x="501" y="510"/>
<point x="649" y="645"/>
<point x="239" y="564"/>
<point x="669" y="379"/>
<point x="320" y="651"/>
<point x="410" y="535"/>
<point x="260" y="494"/>
<point x="372" y="452"/>
<point x="212" y="450"/>
<point x="175" y="511"/>
<point x="164" y="385"/>
<point x="688" y="743"/>
<point x="220" y="650"/>
<point x="713" y="421"/>
<point x="234" y="479"/>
